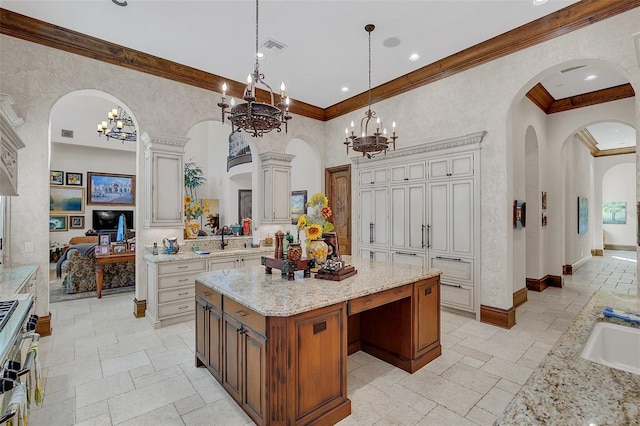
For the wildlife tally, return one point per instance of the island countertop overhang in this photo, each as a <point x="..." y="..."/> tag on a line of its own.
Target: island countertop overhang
<point x="275" y="296"/>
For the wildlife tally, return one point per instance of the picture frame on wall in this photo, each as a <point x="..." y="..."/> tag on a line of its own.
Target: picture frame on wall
<point x="111" y="189"/>
<point x="119" y="248"/>
<point x="298" y="201"/>
<point x="102" y="250"/>
<point x="76" y="222"/>
<point x="544" y="200"/>
<point x="244" y="204"/>
<point x="56" y="177"/>
<point x="66" y="200"/>
<point x="132" y="247"/>
<point x="583" y="215"/>
<point x="544" y="218"/>
<point x="519" y="214"/>
<point x="73" y="179"/>
<point x="58" y="223"/>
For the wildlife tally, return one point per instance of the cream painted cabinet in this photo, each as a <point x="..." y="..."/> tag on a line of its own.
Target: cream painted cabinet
<point x="164" y="180"/>
<point x="373" y="176"/>
<point x="408" y="172"/>
<point x="171" y="290"/>
<point x="452" y="166"/>
<point x="276" y="188"/>
<point x="235" y="261"/>
<point x="451" y="217"/>
<point x="374" y="216"/>
<point x="408" y="217"/>
<point x="379" y="255"/>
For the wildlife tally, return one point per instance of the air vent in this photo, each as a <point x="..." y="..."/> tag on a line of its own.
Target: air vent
<point x="67" y="133"/>
<point x="273" y="45"/>
<point x="572" y="69"/>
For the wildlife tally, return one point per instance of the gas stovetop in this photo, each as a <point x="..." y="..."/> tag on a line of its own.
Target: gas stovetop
<point x="6" y="309"/>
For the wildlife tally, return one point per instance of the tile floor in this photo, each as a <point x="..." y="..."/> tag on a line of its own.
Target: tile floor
<point x="104" y="367"/>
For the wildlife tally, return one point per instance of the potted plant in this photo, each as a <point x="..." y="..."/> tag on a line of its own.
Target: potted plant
<point x="194" y="208"/>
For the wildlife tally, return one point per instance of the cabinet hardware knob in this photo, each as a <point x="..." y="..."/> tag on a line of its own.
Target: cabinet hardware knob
<point x="182" y="267"/>
<point x="241" y="313"/>
<point x="367" y="302"/>
<point x="427" y="291"/>
<point x="183" y="307"/>
<point x="183" y="294"/>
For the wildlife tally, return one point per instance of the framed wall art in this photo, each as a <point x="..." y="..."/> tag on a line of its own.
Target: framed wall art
<point x="111" y="189"/>
<point x="298" y="201"/>
<point x="519" y="214"/>
<point x="544" y="200"/>
<point x="66" y="199"/>
<point x="614" y="213"/>
<point x="73" y="179"/>
<point x="56" y="177"/>
<point x="104" y="239"/>
<point x="583" y="215"/>
<point x="544" y="218"/>
<point x="58" y="223"/>
<point x="76" y="222"/>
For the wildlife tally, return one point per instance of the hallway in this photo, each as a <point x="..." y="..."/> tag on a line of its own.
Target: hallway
<point x="105" y="367"/>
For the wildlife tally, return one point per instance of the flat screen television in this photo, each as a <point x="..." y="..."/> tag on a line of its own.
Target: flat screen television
<point x="107" y="220"/>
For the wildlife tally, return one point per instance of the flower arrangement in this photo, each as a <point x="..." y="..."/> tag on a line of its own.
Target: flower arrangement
<point x="193" y="209"/>
<point x="314" y="223"/>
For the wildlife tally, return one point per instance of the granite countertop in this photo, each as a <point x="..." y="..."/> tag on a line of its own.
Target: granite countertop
<point x="13" y="279"/>
<point x="273" y="295"/>
<point x="190" y="255"/>
<point x="567" y="389"/>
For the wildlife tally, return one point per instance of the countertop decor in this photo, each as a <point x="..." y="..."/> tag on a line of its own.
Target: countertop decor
<point x="567" y="389"/>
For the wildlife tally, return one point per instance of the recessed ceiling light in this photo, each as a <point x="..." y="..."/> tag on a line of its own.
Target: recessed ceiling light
<point x="260" y="55"/>
<point x="345" y="89"/>
<point x="590" y="77"/>
<point x="414" y="57"/>
<point x="539" y="2"/>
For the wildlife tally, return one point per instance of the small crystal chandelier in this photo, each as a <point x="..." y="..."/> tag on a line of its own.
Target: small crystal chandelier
<point x="120" y="126"/>
<point x="256" y="118"/>
<point x="378" y="142"/>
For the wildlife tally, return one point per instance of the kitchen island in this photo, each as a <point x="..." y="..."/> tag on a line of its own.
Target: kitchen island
<point x="567" y="389"/>
<point x="280" y="347"/>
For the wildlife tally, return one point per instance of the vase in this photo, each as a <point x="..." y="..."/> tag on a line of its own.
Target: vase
<point x="317" y="250"/>
<point x="331" y="238"/>
<point x="192" y="227"/>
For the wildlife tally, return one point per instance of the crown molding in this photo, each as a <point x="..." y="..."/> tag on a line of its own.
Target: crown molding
<point x="164" y="141"/>
<point x="586" y="138"/>
<point x="273" y="157"/>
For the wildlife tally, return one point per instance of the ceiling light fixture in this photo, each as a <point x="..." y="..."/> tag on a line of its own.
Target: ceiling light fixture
<point x="414" y="57"/>
<point x="376" y="143"/>
<point x="120" y="126"/>
<point x="539" y="2"/>
<point x="344" y="89"/>
<point x="590" y="77"/>
<point x="256" y="118"/>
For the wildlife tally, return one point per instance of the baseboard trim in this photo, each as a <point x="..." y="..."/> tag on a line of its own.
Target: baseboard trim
<point x="519" y="297"/>
<point x="43" y="326"/>
<point x="544" y="282"/>
<point x="619" y="247"/>
<point x="139" y="306"/>
<point x="505" y="318"/>
<point x="597" y="252"/>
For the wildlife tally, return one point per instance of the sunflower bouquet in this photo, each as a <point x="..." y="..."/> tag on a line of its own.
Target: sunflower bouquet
<point x="314" y="223"/>
<point x="193" y="209"/>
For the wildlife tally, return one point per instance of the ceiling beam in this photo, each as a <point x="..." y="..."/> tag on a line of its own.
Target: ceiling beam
<point x="573" y="17"/>
<point x="592" y="98"/>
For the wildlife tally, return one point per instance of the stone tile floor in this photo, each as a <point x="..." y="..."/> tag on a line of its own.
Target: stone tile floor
<point x="104" y="367"/>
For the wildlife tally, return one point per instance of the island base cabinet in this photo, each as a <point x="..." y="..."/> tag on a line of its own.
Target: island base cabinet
<point x="208" y="330"/>
<point x="426" y="302"/>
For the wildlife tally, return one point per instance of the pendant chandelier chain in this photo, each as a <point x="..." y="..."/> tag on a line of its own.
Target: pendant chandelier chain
<point x="369" y="32"/>
<point x="256" y="68"/>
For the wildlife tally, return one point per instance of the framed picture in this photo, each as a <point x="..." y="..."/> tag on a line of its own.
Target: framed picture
<point x="544" y="200"/>
<point x="74" y="179"/>
<point x="614" y="213"/>
<point x="56" y="177"/>
<point x="583" y="215"/>
<point x="119" y="248"/>
<point x="66" y="199"/>
<point x="111" y="189"/>
<point x="102" y="250"/>
<point x="57" y="223"/>
<point x="544" y="218"/>
<point x="132" y="247"/>
<point x="519" y="214"/>
<point x="104" y="239"/>
<point x="298" y="201"/>
<point x="244" y="204"/>
<point x="76" y="222"/>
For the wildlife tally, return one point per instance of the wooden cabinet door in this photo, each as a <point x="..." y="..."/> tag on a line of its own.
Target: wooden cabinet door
<point x="231" y="357"/>
<point x="426" y="315"/>
<point x="202" y="343"/>
<point x="214" y="342"/>
<point x="254" y="375"/>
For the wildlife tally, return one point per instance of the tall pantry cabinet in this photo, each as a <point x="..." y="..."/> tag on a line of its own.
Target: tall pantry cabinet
<point x="421" y="205"/>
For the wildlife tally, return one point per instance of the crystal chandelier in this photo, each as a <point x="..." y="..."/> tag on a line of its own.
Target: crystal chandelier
<point x="120" y="126"/>
<point x="256" y="118"/>
<point x="378" y="142"/>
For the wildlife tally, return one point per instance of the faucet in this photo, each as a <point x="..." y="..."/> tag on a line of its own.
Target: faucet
<point x="222" y="243"/>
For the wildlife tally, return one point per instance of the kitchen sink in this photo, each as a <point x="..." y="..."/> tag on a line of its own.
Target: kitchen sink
<point x="615" y="346"/>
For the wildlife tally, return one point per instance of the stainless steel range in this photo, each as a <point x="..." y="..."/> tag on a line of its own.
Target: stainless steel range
<point x="16" y="335"/>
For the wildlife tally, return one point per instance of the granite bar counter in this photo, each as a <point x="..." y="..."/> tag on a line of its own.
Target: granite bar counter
<point x="190" y="255"/>
<point x="567" y="389"/>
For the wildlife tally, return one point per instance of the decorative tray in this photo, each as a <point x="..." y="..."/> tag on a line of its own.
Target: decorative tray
<point x="288" y="267"/>
<point x="337" y="275"/>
